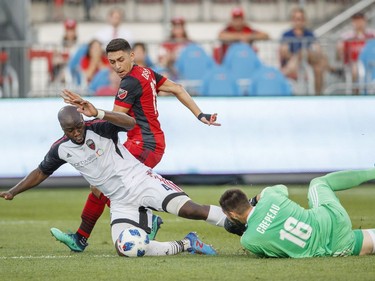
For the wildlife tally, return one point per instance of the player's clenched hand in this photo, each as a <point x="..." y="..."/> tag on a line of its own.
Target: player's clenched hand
<point x="209" y="119"/>
<point x="71" y="98"/>
<point x="6" y="195"/>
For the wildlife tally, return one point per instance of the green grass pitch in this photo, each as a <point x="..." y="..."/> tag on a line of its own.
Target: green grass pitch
<point x="29" y="252"/>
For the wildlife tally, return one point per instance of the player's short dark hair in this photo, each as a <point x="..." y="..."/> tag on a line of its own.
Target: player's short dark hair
<point x="118" y="44"/>
<point x="234" y="200"/>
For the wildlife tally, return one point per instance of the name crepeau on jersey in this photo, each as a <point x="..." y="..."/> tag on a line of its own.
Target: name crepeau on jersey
<point x="268" y="219"/>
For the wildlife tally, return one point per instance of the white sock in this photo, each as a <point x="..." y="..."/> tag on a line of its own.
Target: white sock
<point x="216" y="216"/>
<point x="372" y="235"/>
<point x="156" y="248"/>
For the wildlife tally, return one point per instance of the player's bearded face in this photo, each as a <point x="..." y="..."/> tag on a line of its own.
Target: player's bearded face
<point x="121" y="62"/>
<point x="76" y="133"/>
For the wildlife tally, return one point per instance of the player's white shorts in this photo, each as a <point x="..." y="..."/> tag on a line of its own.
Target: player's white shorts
<point x="154" y="193"/>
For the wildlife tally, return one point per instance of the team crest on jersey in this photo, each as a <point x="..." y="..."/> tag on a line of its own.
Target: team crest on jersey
<point x="90" y="143"/>
<point x="121" y="94"/>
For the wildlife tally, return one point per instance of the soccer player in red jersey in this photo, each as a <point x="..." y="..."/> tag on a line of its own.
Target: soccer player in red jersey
<point x="136" y="96"/>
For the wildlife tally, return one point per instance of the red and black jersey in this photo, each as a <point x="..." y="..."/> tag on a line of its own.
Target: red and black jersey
<point x="138" y="92"/>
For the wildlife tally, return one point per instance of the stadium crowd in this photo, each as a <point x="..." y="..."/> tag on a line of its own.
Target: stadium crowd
<point x="231" y="66"/>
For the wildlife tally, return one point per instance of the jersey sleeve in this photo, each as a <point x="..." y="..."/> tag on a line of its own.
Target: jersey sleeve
<point x="160" y="79"/>
<point x="129" y="91"/>
<point x="51" y="161"/>
<point x="104" y="128"/>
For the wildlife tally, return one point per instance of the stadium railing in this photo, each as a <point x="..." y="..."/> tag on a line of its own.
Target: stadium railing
<point x="192" y="10"/>
<point x="45" y="63"/>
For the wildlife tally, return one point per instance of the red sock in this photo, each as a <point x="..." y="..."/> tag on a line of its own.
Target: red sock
<point x="92" y="211"/>
<point x="105" y="200"/>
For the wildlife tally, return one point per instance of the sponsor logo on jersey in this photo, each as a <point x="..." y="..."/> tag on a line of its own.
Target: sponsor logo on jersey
<point x="85" y="162"/>
<point x="90" y="143"/>
<point x="121" y="94"/>
<point x="68" y="155"/>
<point x="99" y="152"/>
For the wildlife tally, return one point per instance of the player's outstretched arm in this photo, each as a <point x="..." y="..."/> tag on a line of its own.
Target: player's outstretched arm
<point x="31" y="180"/>
<point x="118" y="118"/>
<point x="88" y="109"/>
<point x="183" y="96"/>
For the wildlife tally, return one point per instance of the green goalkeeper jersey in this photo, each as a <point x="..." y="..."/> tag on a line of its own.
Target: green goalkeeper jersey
<point x="279" y="227"/>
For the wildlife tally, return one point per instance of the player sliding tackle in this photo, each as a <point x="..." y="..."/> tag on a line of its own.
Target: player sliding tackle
<point x="275" y="226"/>
<point x="94" y="149"/>
<point x="136" y="96"/>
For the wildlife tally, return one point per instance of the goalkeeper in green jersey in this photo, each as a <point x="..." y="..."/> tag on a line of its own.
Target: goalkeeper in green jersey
<point x="275" y="226"/>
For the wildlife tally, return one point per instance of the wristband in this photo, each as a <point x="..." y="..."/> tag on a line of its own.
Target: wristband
<point x="100" y="114"/>
<point x="207" y="116"/>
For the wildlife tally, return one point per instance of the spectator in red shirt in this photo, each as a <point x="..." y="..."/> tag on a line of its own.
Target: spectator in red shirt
<point x="70" y="36"/>
<point x="110" y="88"/>
<point x="352" y="42"/>
<point x="61" y="57"/>
<point x="170" y="49"/>
<point x="94" y="60"/>
<point x="239" y="31"/>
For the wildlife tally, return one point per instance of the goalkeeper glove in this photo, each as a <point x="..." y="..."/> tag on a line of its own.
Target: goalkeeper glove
<point x="236" y="227"/>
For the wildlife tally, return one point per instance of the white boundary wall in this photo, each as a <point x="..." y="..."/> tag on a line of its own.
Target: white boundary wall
<point x="257" y="136"/>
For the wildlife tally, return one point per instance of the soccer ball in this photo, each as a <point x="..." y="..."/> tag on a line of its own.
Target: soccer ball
<point x="132" y="242"/>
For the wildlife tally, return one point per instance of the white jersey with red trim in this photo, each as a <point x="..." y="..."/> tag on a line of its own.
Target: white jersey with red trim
<point x="102" y="160"/>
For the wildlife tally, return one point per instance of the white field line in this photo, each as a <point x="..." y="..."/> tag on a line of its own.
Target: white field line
<point x="52" y="257"/>
<point x="18" y="222"/>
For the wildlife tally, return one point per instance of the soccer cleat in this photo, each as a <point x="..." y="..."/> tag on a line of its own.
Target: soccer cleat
<point x="69" y="240"/>
<point x="156" y="222"/>
<point x="197" y="246"/>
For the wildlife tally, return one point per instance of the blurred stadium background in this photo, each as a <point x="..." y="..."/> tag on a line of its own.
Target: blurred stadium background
<point x="292" y="138"/>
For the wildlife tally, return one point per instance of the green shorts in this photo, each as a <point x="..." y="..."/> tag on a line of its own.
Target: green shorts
<point x="342" y="240"/>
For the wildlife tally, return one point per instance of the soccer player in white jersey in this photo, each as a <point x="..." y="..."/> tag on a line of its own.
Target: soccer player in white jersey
<point x="275" y="226"/>
<point x="93" y="148"/>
